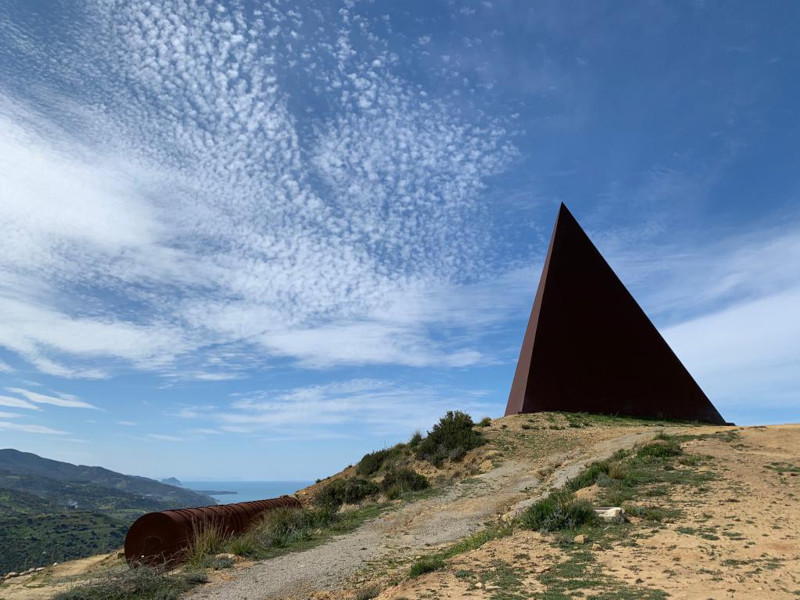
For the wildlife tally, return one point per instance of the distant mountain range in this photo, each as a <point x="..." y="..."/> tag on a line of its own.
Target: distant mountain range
<point x="55" y="511"/>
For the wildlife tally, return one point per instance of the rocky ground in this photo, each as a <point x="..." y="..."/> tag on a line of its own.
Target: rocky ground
<point x="735" y="535"/>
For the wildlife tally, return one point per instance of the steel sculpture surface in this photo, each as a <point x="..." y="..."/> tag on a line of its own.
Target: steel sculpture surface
<point x="589" y="347"/>
<point x="162" y="538"/>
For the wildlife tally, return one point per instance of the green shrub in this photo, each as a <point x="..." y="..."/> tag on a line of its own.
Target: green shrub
<point x="560" y="510"/>
<point x="484" y="422"/>
<point x="401" y="481"/>
<point x="371" y="463"/>
<point x="589" y="475"/>
<point x="660" y="448"/>
<point x="426" y="565"/>
<point x="451" y="438"/>
<point x="415" y="440"/>
<point x="345" y="491"/>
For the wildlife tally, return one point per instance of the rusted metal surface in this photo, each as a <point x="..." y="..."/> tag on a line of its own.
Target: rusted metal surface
<point x="589" y="347"/>
<point x="163" y="537"/>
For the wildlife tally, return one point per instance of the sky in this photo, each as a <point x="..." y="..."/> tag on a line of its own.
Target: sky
<point x="255" y="240"/>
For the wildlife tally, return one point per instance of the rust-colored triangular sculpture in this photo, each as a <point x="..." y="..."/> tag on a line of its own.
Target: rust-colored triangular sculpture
<point x="589" y="347"/>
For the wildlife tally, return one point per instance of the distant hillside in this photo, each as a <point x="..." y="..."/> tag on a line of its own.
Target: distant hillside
<point x="172" y="481"/>
<point x="25" y="463"/>
<point x="51" y="511"/>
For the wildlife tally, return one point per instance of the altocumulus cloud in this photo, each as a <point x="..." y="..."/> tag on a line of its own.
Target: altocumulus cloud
<point x="270" y="187"/>
<point x="198" y="189"/>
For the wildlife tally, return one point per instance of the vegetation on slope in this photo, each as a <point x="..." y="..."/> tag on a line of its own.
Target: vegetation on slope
<point x="52" y="511"/>
<point x="35" y="540"/>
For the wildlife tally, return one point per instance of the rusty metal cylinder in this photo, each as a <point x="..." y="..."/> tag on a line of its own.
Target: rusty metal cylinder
<point x="162" y="538"/>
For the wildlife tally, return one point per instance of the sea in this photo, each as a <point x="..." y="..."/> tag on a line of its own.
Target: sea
<point x="246" y="490"/>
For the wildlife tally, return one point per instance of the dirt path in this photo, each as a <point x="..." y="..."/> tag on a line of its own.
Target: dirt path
<point x="461" y="510"/>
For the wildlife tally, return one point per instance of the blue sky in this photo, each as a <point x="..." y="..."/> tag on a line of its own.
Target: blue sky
<point x="256" y="240"/>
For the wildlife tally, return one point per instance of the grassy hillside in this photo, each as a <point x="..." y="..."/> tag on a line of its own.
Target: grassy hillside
<point x="37" y="540"/>
<point x="52" y="511"/>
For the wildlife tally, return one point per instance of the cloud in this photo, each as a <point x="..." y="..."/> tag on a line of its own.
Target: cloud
<point x="747" y="352"/>
<point x="376" y="407"/>
<point x="38" y="429"/>
<point x="62" y="400"/>
<point x="227" y="191"/>
<point x="165" y="438"/>
<point x="127" y="423"/>
<point x="17" y="403"/>
<point x="5" y="367"/>
<point x="8" y="415"/>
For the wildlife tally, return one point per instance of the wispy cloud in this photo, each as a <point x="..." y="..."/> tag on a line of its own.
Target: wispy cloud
<point x="127" y="423"/>
<point x="62" y="400"/>
<point x="314" y="412"/>
<point x="17" y="403"/>
<point x="165" y="438"/>
<point x="38" y="429"/>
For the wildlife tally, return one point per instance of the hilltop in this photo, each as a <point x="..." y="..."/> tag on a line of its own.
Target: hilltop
<point x="709" y="512"/>
<point x="26" y="463"/>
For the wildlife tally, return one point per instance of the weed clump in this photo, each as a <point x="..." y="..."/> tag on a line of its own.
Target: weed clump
<point x="400" y="481"/>
<point x="484" y="422"/>
<point x="451" y="438"/>
<point x="284" y="526"/>
<point x="345" y="491"/>
<point x="426" y="564"/>
<point x="558" y="511"/>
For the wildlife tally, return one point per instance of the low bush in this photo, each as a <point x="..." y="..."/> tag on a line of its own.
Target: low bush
<point x="560" y="510"/>
<point x="484" y="422"/>
<point x="373" y="462"/>
<point x="400" y="481"/>
<point x="426" y="564"/>
<point x="415" y="440"/>
<point x="660" y="448"/>
<point x="451" y="438"/>
<point x="345" y="491"/>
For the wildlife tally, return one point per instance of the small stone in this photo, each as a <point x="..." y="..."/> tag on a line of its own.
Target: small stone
<point x="479" y="585"/>
<point x="580" y="539"/>
<point x="492" y="587"/>
<point x="38" y="569"/>
<point x="55" y="564"/>
<point x="12" y="574"/>
<point x="596" y="547"/>
<point x="225" y="555"/>
<point x="611" y="513"/>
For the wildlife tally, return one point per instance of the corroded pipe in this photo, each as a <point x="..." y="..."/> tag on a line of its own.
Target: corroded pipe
<point x="163" y="537"/>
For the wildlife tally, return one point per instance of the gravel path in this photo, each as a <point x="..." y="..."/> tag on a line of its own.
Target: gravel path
<point x="461" y="510"/>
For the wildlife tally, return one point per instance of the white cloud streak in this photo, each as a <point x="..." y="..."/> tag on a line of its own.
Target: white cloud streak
<point x="37" y="429"/>
<point x="61" y="400"/>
